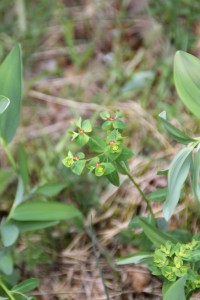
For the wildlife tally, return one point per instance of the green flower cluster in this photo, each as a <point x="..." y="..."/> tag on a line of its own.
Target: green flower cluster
<point x="173" y="261"/>
<point x="110" y="155"/>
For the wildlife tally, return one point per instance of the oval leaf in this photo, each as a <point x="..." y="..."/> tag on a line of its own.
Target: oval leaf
<point x="44" y="211"/>
<point x="187" y="80"/>
<point x="9" y="234"/>
<point x="26" y="285"/>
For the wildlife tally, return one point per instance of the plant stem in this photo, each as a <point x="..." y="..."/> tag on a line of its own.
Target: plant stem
<point x="137" y="187"/>
<point x="8" y="293"/>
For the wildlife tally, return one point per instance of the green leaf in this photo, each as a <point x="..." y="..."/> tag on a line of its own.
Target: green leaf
<point x="114" y="178"/>
<point x="195" y="175"/>
<point x="107" y="125"/>
<point x="194" y="256"/>
<point x="96" y="144"/>
<point x="20" y="192"/>
<point x="44" y="211"/>
<point x="118" y="124"/>
<point x="136" y="258"/>
<point x="9" y="234"/>
<point x="123" y="165"/>
<point x="138" y="81"/>
<point x="158" y="196"/>
<point x="177" y="175"/>
<point x="11" y="87"/>
<point x="86" y="126"/>
<point x="50" y="189"/>
<point x="78" y="167"/>
<point x="82" y="139"/>
<point x="163" y="172"/>
<point x="26" y="286"/>
<point x="183" y="236"/>
<point x="176" y="290"/>
<point x="6" y="177"/>
<point x="104" y="115"/>
<point x="25" y="226"/>
<point x="109" y="168"/>
<point x="125" y="154"/>
<point x="154" y="235"/>
<point x="166" y="286"/>
<point x="187" y="80"/>
<point x="6" y="262"/>
<point x="4" y="103"/>
<point x="174" y="132"/>
<point x="23" y="165"/>
<point x="112" y="136"/>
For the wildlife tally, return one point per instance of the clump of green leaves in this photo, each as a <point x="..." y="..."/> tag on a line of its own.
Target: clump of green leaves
<point x="26" y="213"/>
<point x="107" y="154"/>
<point x="173" y="261"/>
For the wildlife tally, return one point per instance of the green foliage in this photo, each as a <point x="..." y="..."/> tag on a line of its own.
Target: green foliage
<point x="24" y="215"/>
<point x="112" y="155"/>
<point x="11" y="87"/>
<point x="187" y="78"/>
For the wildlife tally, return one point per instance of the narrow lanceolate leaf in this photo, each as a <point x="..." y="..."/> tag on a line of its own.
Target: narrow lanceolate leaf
<point x="26" y="285"/>
<point x="187" y="80"/>
<point x="19" y="193"/>
<point x="195" y="175"/>
<point x="25" y="226"/>
<point x="136" y="258"/>
<point x="44" y="211"/>
<point x="174" y="132"/>
<point x="154" y="235"/>
<point x="23" y="164"/>
<point x="4" y="103"/>
<point x="158" y="196"/>
<point x="176" y="290"/>
<point x="177" y="175"/>
<point x="9" y="234"/>
<point x="11" y="87"/>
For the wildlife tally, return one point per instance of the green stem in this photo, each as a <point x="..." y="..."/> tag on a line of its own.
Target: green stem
<point x="137" y="187"/>
<point x="8" y="293"/>
<point x="9" y="155"/>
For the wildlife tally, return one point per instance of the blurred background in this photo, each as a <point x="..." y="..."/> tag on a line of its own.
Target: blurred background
<point x="81" y="58"/>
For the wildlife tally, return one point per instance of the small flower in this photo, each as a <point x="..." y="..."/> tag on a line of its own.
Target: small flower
<point x="169" y="273"/>
<point x="69" y="160"/>
<point x="81" y="136"/>
<point x="112" y="121"/>
<point x="167" y="248"/>
<point x="160" y="259"/>
<point x="178" y="262"/>
<point x="100" y="168"/>
<point x="76" y="163"/>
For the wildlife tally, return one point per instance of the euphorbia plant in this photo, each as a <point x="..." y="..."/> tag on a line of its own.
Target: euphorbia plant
<point x="173" y="256"/>
<point x="176" y="262"/>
